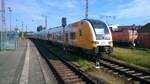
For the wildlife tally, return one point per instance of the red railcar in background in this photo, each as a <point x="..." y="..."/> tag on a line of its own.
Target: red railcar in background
<point x="143" y="39"/>
<point x="138" y="36"/>
<point x="125" y="36"/>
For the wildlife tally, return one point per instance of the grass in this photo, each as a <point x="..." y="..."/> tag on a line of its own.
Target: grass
<point x="81" y="62"/>
<point x="135" y="56"/>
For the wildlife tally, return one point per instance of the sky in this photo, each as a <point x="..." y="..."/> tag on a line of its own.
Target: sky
<point x="32" y="12"/>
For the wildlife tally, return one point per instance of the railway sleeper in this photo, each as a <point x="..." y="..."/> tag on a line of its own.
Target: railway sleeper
<point x="137" y="74"/>
<point x="60" y="66"/>
<point x="131" y="72"/>
<point x="71" y="77"/>
<point x="80" y="82"/>
<point x="129" y="79"/>
<point x="67" y="74"/>
<point x="124" y="69"/>
<point x="55" y="62"/>
<point x="72" y="81"/>
<point x="115" y="73"/>
<point x="63" y="69"/>
<point x="145" y="77"/>
<point x="110" y="70"/>
<point x="105" y="63"/>
<point x="114" y="66"/>
<point x="119" y="67"/>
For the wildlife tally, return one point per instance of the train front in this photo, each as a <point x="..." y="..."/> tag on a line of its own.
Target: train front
<point x="102" y="38"/>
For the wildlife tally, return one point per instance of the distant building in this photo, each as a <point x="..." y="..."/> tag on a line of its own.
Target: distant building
<point x="145" y="28"/>
<point x="114" y="27"/>
<point x="136" y="27"/>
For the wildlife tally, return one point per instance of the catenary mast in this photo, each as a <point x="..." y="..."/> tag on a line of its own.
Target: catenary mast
<point x="86" y="9"/>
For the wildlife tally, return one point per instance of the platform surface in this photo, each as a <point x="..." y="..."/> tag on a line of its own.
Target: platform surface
<point x="24" y="66"/>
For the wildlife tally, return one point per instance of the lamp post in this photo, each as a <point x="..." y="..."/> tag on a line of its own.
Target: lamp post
<point x="10" y="11"/>
<point x="22" y="34"/>
<point x="45" y="21"/>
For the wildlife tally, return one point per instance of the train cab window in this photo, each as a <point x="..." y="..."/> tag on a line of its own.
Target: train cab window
<point x="72" y="35"/>
<point x="99" y="26"/>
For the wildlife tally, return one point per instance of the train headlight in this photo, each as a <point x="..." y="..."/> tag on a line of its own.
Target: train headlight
<point x="96" y="42"/>
<point x="110" y="43"/>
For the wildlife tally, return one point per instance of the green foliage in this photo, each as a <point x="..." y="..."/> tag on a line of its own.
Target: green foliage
<point x="83" y="63"/>
<point x="133" y="56"/>
<point x="40" y="28"/>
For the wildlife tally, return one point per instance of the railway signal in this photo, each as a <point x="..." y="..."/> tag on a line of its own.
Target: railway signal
<point x="64" y="23"/>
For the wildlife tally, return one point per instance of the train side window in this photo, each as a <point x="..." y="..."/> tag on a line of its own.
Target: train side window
<point x="80" y="32"/>
<point x="66" y="36"/>
<point x="72" y="35"/>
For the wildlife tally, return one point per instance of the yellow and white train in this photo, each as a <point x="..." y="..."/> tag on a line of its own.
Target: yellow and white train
<point x="89" y="36"/>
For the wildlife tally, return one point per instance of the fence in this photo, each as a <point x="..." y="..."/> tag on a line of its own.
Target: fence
<point x="8" y="40"/>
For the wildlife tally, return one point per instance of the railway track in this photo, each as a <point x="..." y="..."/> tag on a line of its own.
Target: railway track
<point x="64" y="72"/>
<point x="129" y="71"/>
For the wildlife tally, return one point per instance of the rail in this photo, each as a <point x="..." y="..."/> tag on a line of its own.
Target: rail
<point x="64" y="71"/>
<point x="127" y="70"/>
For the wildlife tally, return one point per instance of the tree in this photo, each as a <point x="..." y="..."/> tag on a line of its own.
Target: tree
<point x="39" y="28"/>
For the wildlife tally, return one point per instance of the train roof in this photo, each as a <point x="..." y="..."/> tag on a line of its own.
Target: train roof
<point x="94" y="20"/>
<point x="58" y="27"/>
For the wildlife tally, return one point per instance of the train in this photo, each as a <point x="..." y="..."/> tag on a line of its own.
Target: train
<point x="125" y="36"/>
<point x="143" y="39"/>
<point x="89" y="36"/>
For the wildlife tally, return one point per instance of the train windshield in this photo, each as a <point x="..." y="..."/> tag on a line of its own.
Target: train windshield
<point x="99" y="27"/>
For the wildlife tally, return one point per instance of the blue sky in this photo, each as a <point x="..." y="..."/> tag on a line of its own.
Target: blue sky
<point x="32" y="12"/>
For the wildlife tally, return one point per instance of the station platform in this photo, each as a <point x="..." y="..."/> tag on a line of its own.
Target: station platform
<point x="24" y="65"/>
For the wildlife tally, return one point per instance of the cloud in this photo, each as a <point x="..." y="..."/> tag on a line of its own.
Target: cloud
<point x="27" y="8"/>
<point x="59" y="4"/>
<point x="136" y="9"/>
<point x="133" y="9"/>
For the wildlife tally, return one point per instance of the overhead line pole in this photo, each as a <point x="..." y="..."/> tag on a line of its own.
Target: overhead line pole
<point x="10" y="11"/>
<point x="45" y="22"/>
<point x="22" y="34"/>
<point x="3" y="29"/>
<point x="1" y="26"/>
<point x="86" y="9"/>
